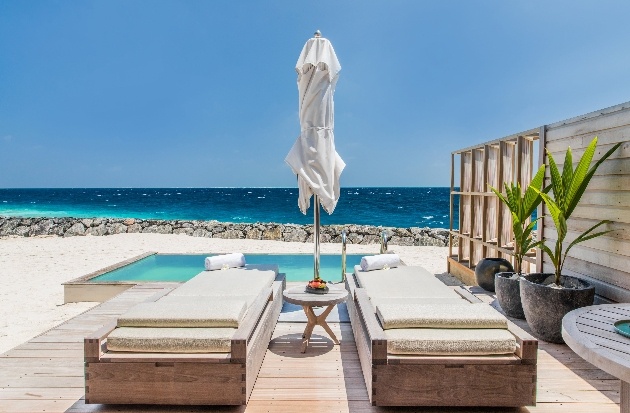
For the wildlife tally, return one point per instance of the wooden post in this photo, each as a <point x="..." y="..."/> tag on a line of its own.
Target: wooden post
<point x="502" y="148"/>
<point x="460" y="248"/>
<point x="484" y="216"/>
<point x="450" y="219"/>
<point x="473" y="182"/>
<point x="542" y="141"/>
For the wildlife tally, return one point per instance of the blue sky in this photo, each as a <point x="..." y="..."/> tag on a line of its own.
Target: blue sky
<point x="203" y="93"/>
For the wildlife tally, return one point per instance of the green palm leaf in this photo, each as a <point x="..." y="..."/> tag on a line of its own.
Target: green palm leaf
<point x="531" y="198"/>
<point x="579" y="182"/>
<point x="552" y="256"/>
<point x="567" y="176"/>
<point x="554" y="209"/>
<point x="556" y="180"/>
<point x="580" y="190"/>
<point x="512" y="198"/>
<point x="586" y="235"/>
<point x="499" y="195"/>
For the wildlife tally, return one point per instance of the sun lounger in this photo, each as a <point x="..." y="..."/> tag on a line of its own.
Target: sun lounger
<point x="441" y="346"/>
<point x="202" y="344"/>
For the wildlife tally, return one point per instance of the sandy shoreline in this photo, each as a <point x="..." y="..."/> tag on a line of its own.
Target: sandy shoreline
<point x="32" y="270"/>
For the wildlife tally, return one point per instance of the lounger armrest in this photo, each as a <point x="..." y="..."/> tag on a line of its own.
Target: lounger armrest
<point x="527" y="345"/>
<point x="92" y="343"/>
<point x="351" y="285"/>
<point x="375" y="333"/>
<point x="282" y="279"/>
<point x="243" y="334"/>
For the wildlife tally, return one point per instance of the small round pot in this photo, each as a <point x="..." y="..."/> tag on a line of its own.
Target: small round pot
<point x="486" y="268"/>
<point x="544" y="307"/>
<point x="509" y="294"/>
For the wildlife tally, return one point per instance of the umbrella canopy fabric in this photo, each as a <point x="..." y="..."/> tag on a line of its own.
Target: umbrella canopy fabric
<point x="313" y="157"/>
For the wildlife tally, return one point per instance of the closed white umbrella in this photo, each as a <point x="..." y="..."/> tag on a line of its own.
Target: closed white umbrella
<point x="313" y="157"/>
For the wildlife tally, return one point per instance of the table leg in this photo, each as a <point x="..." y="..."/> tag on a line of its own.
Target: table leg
<point x="310" y="324"/>
<point x="314" y="320"/>
<point x="624" y="406"/>
<point x="321" y="320"/>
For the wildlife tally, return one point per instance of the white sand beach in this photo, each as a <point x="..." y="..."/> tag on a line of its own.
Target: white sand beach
<point x="32" y="270"/>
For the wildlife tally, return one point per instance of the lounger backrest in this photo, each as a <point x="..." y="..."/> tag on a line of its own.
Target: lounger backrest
<point x="247" y="281"/>
<point x="402" y="282"/>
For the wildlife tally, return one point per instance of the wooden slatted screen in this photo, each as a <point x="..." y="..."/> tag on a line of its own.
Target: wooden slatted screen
<point x="484" y="228"/>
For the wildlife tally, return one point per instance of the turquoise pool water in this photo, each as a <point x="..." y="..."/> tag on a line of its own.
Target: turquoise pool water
<point x="180" y="268"/>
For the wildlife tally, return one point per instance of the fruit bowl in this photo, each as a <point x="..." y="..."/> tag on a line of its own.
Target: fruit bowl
<point x="316" y="287"/>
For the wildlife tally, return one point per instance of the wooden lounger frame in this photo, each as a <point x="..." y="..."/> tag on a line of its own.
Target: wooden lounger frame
<point x="184" y="379"/>
<point x="392" y="380"/>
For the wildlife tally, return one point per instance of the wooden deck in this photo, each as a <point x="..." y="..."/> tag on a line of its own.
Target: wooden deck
<point x="46" y="373"/>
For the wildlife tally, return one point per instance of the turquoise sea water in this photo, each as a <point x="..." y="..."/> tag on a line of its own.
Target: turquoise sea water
<point x="395" y="207"/>
<point x="180" y="268"/>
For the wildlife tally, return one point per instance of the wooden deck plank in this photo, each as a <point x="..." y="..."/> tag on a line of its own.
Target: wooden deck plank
<point x="46" y="373"/>
<point x="59" y="393"/>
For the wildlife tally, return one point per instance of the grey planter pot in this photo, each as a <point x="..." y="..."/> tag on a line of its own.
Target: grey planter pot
<point x="544" y="307"/>
<point x="486" y="268"/>
<point x="509" y="294"/>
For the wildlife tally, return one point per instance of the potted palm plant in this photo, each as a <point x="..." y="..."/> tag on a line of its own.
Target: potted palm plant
<point x="547" y="298"/>
<point x="521" y="206"/>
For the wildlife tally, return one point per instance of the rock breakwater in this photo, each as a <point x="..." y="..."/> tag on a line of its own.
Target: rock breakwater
<point x="356" y="234"/>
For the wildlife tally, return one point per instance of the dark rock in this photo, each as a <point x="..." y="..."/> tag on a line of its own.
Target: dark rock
<point x="200" y="232"/>
<point x="356" y="234"/>
<point x="76" y="229"/>
<point x="186" y="231"/>
<point x="98" y="230"/>
<point x="133" y="228"/>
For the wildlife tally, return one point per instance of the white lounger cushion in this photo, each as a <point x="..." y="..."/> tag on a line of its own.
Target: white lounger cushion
<point x="171" y="340"/>
<point x="377" y="301"/>
<point x="440" y="316"/>
<point x="194" y="313"/>
<point x="180" y="299"/>
<point x="250" y="280"/>
<point x="402" y="282"/>
<point x="450" y="342"/>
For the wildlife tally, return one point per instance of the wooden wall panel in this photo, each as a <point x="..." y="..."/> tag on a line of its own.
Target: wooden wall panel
<point x="593" y="123"/>
<point x="604" y="260"/>
<point x="620" y="230"/>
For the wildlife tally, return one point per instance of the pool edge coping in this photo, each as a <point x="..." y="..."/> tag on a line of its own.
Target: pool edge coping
<point x="94" y="274"/>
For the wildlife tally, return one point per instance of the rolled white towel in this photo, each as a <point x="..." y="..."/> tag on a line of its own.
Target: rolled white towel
<point x="380" y="262"/>
<point x="219" y="262"/>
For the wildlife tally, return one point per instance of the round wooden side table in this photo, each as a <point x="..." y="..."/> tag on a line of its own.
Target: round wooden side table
<point x="298" y="296"/>
<point x="590" y="332"/>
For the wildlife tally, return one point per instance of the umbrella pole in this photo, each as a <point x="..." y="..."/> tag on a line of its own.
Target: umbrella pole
<point x="316" y="237"/>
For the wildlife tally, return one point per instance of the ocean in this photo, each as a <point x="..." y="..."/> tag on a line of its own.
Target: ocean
<point x="392" y="207"/>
